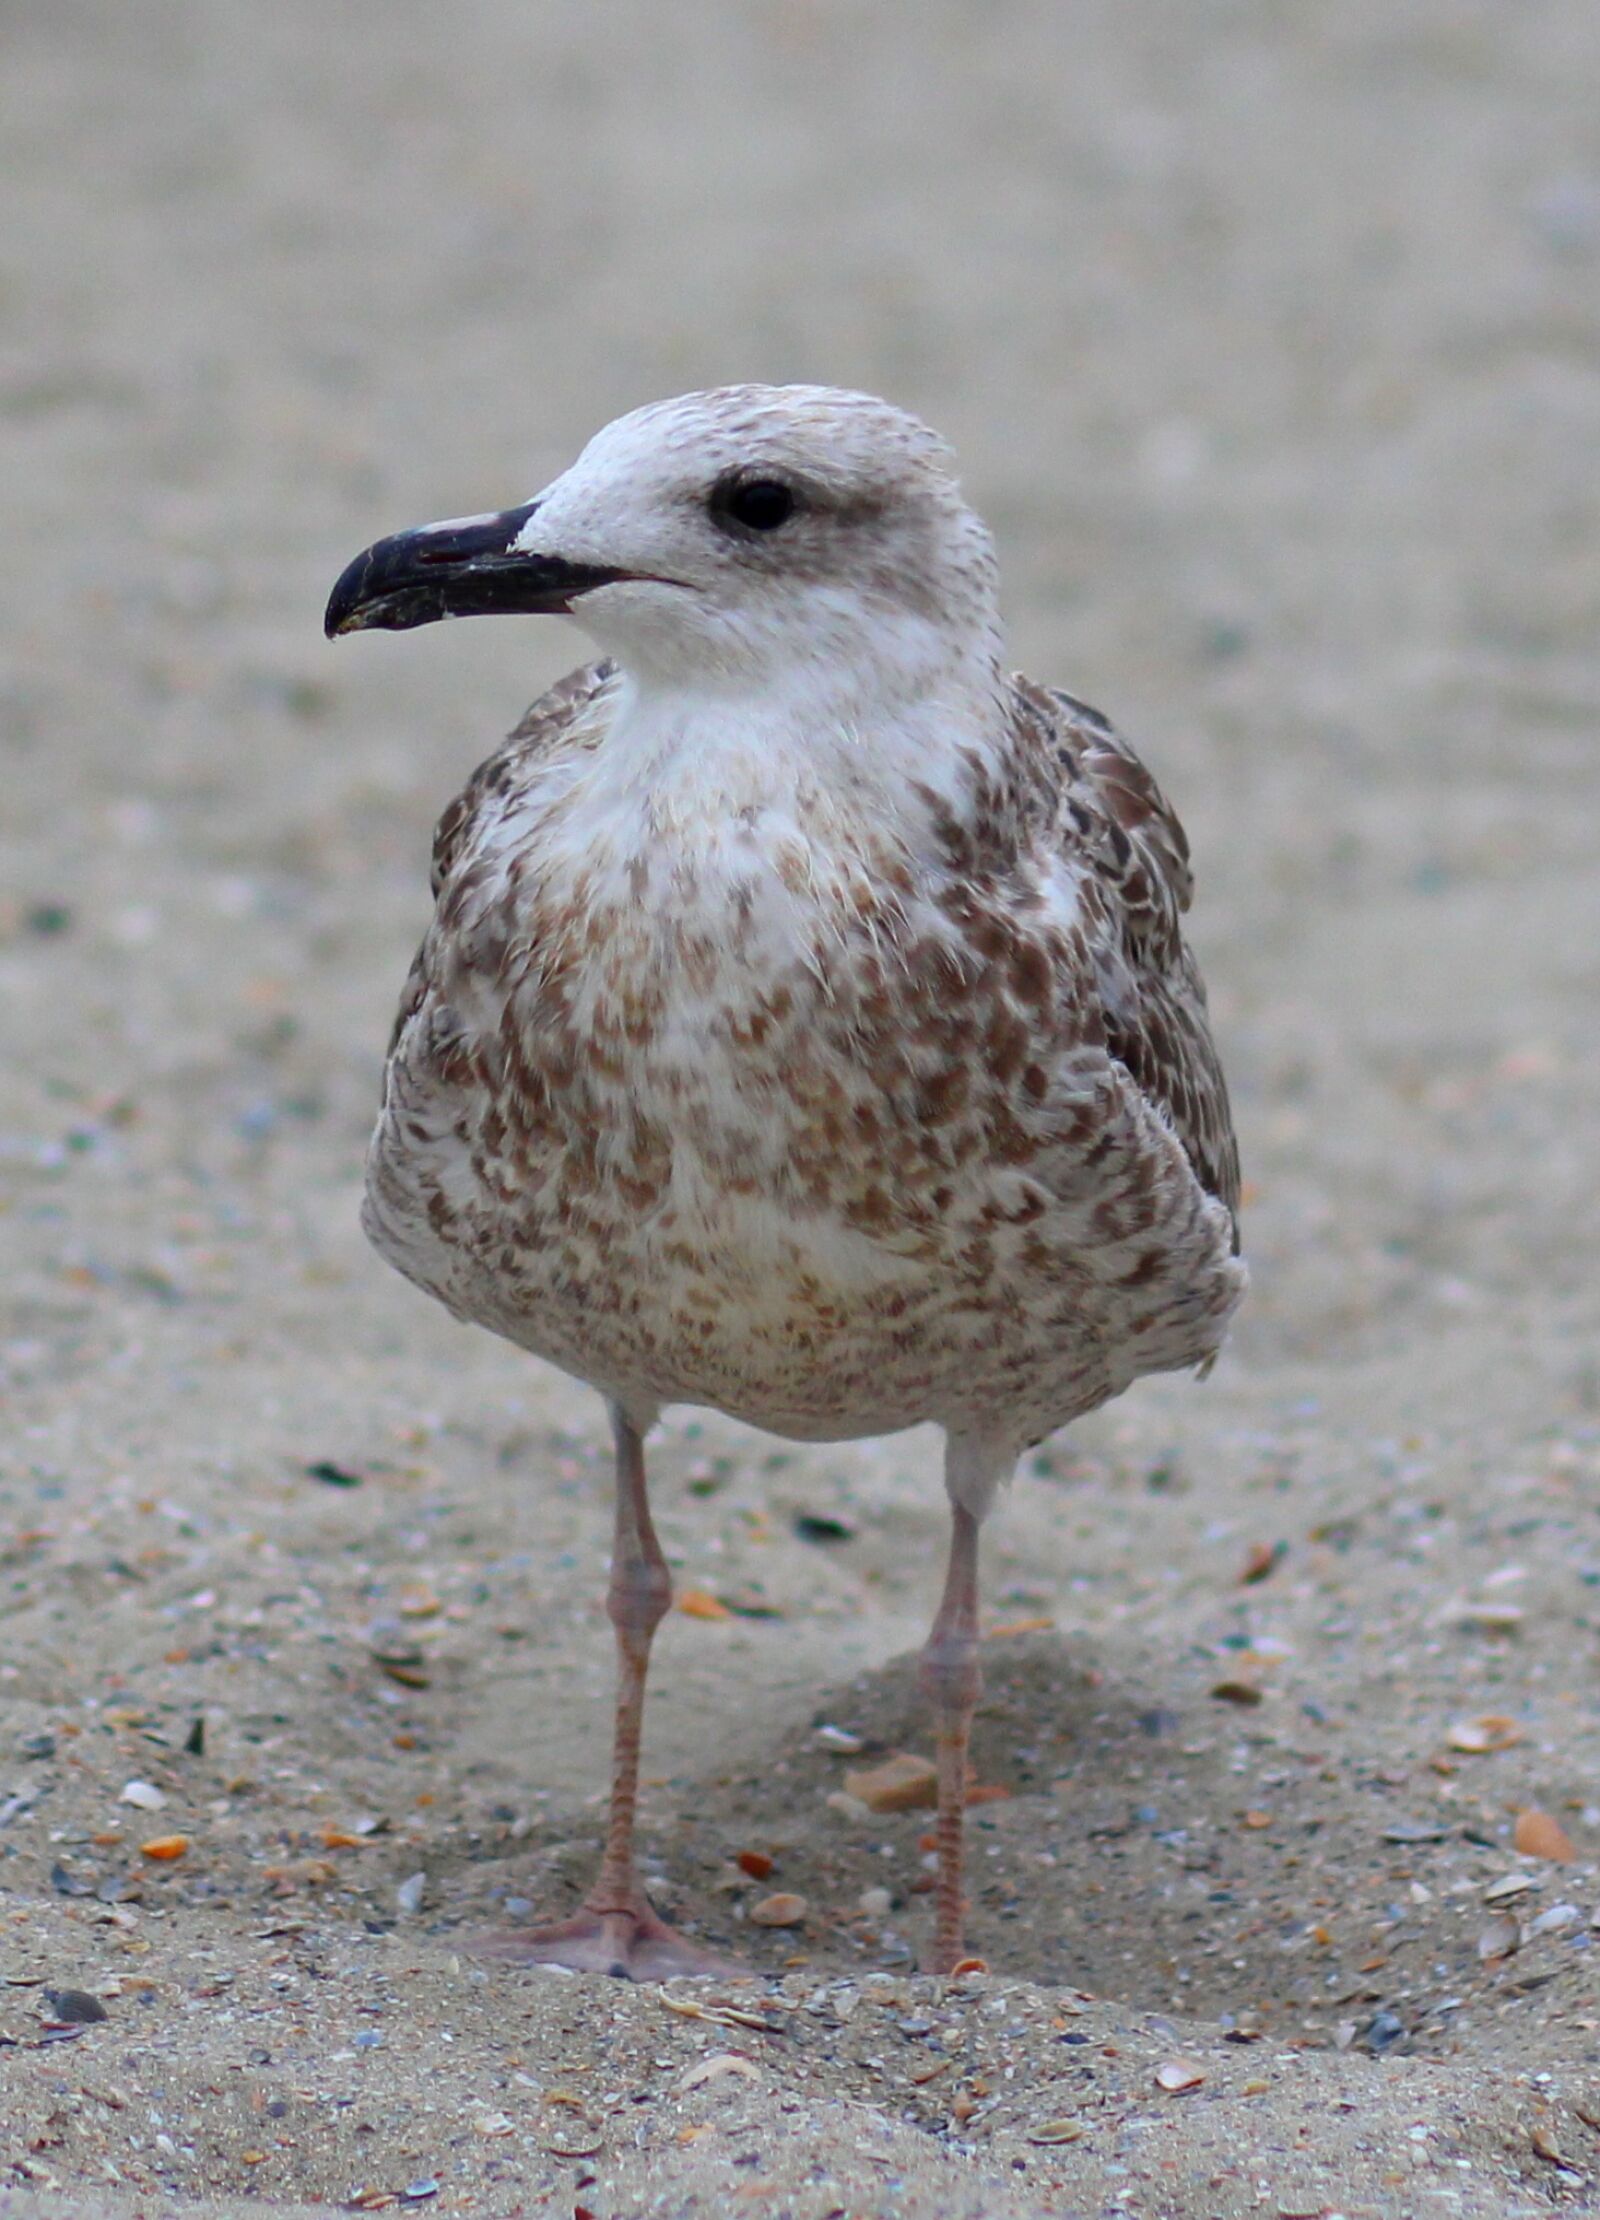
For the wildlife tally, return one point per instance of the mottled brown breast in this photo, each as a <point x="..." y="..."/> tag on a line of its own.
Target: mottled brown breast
<point x="833" y="1129"/>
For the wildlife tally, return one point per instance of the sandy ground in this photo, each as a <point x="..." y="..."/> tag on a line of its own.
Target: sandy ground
<point x="1269" y="338"/>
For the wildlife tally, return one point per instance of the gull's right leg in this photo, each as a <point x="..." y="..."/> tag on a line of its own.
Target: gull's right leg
<point x="617" y="1931"/>
<point x="952" y="1678"/>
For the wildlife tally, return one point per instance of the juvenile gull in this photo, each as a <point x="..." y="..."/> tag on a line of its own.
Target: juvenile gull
<point x="805" y="1027"/>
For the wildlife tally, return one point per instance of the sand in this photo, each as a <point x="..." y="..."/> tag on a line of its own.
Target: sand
<point x="1269" y="339"/>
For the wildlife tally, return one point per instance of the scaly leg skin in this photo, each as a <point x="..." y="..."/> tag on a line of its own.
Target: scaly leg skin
<point x="617" y="1932"/>
<point x="952" y="1680"/>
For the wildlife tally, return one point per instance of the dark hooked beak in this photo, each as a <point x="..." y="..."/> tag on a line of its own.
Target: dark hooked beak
<point x="468" y="567"/>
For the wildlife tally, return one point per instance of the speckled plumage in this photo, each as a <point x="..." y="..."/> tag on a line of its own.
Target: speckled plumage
<point x="959" y="1150"/>
<point x="805" y="1027"/>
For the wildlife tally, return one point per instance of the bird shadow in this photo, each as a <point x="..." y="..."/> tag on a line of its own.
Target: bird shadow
<point x="1107" y="1850"/>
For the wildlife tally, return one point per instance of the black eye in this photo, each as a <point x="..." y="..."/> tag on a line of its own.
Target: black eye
<point x="759" y="504"/>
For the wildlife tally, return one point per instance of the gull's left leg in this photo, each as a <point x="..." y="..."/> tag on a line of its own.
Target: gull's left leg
<point x="618" y="1931"/>
<point x="952" y="1679"/>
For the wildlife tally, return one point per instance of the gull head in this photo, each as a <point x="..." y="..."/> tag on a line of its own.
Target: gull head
<point x="751" y="535"/>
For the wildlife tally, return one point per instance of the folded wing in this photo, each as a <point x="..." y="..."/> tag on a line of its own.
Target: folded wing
<point x="1131" y="858"/>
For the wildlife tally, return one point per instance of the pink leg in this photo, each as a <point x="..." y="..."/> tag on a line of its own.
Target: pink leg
<point x="953" y="1681"/>
<point x="617" y="1931"/>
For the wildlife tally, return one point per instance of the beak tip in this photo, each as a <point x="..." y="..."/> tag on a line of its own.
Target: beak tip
<point x="344" y="612"/>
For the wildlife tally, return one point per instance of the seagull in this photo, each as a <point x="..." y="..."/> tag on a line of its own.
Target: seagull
<point x="805" y="1027"/>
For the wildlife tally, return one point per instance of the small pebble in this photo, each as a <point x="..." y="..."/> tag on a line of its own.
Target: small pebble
<point x="1537" y="1835"/>
<point x="812" y="1526"/>
<point x="902" y="1782"/>
<point x="782" y="1910"/>
<point x="1492" y="1730"/>
<point x="1236" y="1692"/>
<point x="408" y="1896"/>
<point x="143" y="1795"/>
<point x="1382" y="2032"/>
<point x="1176" y="2075"/>
<point x="1509" y="1885"/>
<point x="164" y="1848"/>
<point x="713" y="2069"/>
<point x="74" y="2007"/>
<point x="700" y="1603"/>
<point x="1261" y="1560"/>
<point x="332" y="1475"/>
<point x="395" y="1652"/>
<point x="1491" y="1618"/>
<point x="1499" y="1939"/>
